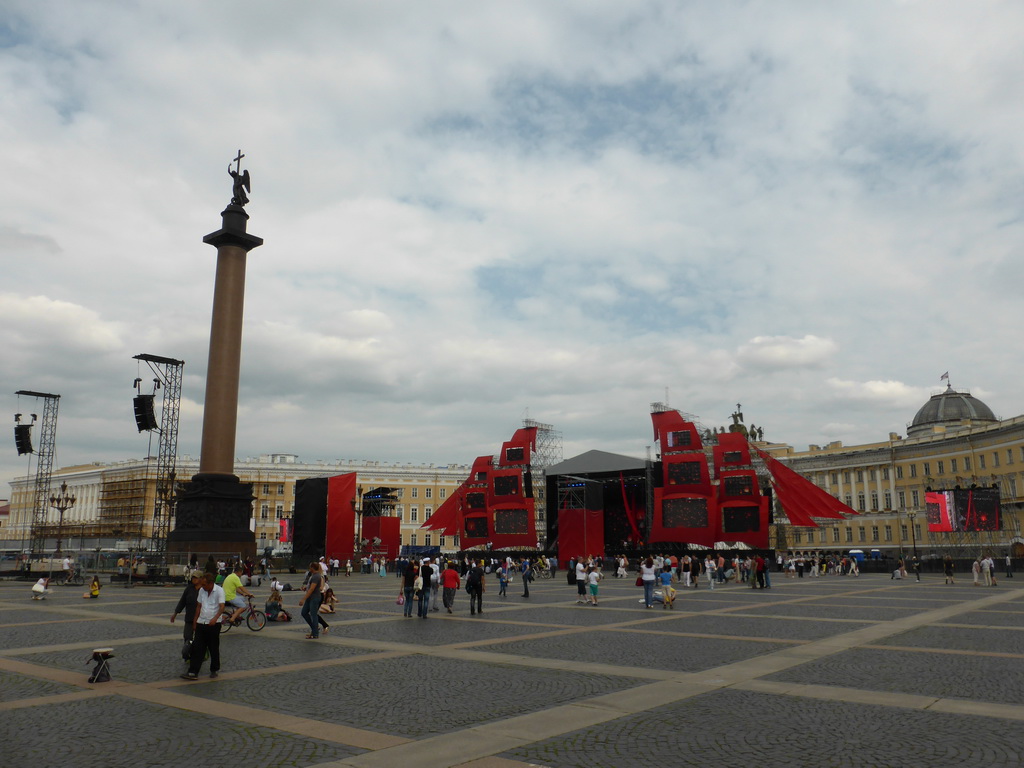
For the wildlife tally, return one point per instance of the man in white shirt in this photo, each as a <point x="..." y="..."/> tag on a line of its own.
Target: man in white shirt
<point x="581" y="581"/>
<point x="206" y="627"/>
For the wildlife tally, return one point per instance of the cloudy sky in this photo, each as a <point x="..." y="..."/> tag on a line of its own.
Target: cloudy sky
<point x="476" y="212"/>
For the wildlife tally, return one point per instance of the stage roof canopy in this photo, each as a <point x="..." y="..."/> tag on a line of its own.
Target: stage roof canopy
<point x="595" y="461"/>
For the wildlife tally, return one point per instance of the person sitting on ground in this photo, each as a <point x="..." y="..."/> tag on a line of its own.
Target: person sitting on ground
<point x="232" y="589"/>
<point x="275" y="608"/>
<point x="94" y="588"/>
<point x="329" y="601"/>
<point x="41" y="589"/>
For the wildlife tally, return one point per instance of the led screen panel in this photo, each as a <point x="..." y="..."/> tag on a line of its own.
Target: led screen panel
<point x="684" y="513"/>
<point x="511" y="521"/>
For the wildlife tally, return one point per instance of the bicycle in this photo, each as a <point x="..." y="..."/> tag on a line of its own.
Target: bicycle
<point x="73" y="578"/>
<point x="541" y="572"/>
<point x="254" y="619"/>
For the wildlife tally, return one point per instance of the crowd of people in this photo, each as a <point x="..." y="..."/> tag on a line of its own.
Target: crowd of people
<point x="219" y="592"/>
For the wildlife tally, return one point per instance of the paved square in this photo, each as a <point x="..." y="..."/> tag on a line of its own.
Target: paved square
<point x="826" y="671"/>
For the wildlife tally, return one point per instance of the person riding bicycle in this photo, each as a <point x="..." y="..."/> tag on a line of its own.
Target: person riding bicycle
<point x="68" y="570"/>
<point x="232" y="589"/>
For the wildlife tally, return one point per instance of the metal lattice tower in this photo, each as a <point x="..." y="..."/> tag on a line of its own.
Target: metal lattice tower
<point x="44" y="468"/>
<point x="549" y="444"/>
<point x="169" y="371"/>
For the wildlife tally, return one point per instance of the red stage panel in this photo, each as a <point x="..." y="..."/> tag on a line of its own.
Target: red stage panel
<point x="674" y="434"/>
<point x="684" y="517"/>
<point x="745" y="521"/>
<point x="937" y="510"/>
<point x="731" y="452"/>
<point x="506" y="485"/>
<point x="686" y="474"/>
<point x="388" y="530"/>
<point x="517" y="451"/>
<point x="580" y="533"/>
<point x="513" y="525"/>
<point x="341" y="516"/>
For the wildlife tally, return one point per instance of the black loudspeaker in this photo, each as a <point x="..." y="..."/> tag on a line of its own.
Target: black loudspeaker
<point x="23" y="438"/>
<point x="309" y="521"/>
<point x="145" y="418"/>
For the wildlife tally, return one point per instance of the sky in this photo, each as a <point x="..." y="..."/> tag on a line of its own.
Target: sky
<point x="476" y="213"/>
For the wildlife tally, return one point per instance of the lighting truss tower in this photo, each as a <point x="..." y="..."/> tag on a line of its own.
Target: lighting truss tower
<point x="548" y="453"/>
<point x="169" y="371"/>
<point x="549" y="444"/>
<point x="44" y="468"/>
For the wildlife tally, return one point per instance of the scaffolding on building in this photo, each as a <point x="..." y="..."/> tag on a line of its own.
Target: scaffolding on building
<point x="168" y="372"/>
<point x="44" y="469"/>
<point x="122" y="510"/>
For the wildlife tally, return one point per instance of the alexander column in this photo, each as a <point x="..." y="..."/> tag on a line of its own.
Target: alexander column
<point x="213" y="510"/>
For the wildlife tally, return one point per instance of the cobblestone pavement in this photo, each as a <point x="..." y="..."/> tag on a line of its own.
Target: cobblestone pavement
<point x="826" y="671"/>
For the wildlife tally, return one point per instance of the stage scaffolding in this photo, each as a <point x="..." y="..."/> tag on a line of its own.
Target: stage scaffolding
<point x="169" y="372"/>
<point x="44" y="469"/>
<point x="548" y="453"/>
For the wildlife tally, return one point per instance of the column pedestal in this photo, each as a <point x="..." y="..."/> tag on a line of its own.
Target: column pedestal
<point x="212" y="516"/>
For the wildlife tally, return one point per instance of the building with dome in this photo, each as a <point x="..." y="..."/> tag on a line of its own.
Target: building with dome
<point x="950" y="411"/>
<point x="954" y="442"/>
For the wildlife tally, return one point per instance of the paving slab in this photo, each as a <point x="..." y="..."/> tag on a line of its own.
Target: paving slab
<point x="940" y="675"/>
<point x="114" y="732"/>
<point x="749" y="728"/>
<point x="815" y="671"/>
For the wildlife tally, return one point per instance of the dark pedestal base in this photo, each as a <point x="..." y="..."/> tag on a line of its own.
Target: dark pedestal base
<point x="212" y="517"/>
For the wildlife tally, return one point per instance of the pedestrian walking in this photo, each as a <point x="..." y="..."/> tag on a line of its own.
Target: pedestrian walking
<point x="409" y="574"/>
<point x="476" y="587"/>
<point x="593" y="577"/>
<point x="450" y="582"/>
<point x="668" y="593"/>
<point x="206" y="628"/>
<point x="310" y="600"/>
<point x="188" y="602"/>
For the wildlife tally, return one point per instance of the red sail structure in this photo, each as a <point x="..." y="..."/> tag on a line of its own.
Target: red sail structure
<point x="495" y="503"/>
<point x="742" y="507"/>
<point x="802" y="500"/>
<point x="685" y="506"/>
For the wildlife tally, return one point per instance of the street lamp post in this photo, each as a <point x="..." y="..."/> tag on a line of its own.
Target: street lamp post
<point x="62" y="503"/>
<point x="913" y="532"/>
<point x="358" y="507"/>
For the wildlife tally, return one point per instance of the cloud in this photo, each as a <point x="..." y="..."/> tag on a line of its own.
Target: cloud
<point x="887" y="393"/>
<point x="778" y="353"/>
<point x="469" y="212"/>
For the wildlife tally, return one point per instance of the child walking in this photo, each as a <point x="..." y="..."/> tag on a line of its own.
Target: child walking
<point x="668" y="593"/>
<point x="592" y="578"/>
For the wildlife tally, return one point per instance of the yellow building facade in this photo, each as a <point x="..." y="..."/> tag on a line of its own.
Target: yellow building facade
<point x="954" y="441"/>
<point x="115" y="502"/>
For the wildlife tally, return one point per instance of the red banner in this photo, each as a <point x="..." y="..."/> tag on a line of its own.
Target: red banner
<point x="388" y="530"/>
<point x="580" y="533"/>
<point x="937" y="511"/>
<point x="341" y="516"/>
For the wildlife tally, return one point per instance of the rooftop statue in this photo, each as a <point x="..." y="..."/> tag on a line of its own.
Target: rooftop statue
<point x="241" y="183"/>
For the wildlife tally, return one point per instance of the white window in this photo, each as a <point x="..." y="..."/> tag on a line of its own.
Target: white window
<point x="427" y="492"/>
<point x="415" y="492"/>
